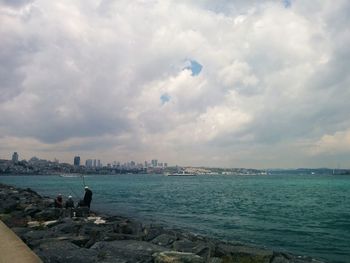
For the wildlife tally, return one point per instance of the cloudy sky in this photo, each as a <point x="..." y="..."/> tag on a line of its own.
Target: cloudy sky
<point x="191" y="82"/>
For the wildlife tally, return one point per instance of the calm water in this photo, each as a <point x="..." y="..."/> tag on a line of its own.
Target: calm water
<point x="303" y="214"/>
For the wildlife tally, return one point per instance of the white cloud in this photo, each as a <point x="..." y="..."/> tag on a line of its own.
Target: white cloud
<point x="95" y="71"/>
<point x="331" y="144"/>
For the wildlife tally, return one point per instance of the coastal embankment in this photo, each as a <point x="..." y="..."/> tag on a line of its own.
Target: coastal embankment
<point x="55" y="236"/>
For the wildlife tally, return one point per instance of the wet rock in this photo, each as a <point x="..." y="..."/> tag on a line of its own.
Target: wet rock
<point x="80" y="240"/>
<point x="34" y="224"/>
<point x="9" y="205"/>
<point x="183" y="245"/>
<point x="177" y="257"/>
<point x="20" y="231"/>
<point x="82" y="212"/>
<point x="64" y="251"/>
<point x="31" y="210"/>
<point x="215" y="260"/>
<point x="163" y="240"/>
<point x="238" y="253"/>
<point x="48" y="214"/>
<point x="129" y="250"/>
<point x="67" y="228"/>
<point x="151" y="232"/>
<point x="51" y="223"/>
<point x="127" y="227"/>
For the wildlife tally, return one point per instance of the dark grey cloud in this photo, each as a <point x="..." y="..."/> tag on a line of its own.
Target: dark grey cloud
<point x="273" y="78"/>
<point x="15" y="3"/>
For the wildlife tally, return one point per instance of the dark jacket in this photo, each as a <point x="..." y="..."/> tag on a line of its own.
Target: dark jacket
<point x="87" y="197"/>
<point x="70" y="203"/>
<point x="59" y="202"/>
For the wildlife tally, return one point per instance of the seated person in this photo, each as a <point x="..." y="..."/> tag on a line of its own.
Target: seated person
<point x="70" y="202"/>
<point x="59" y="201"/>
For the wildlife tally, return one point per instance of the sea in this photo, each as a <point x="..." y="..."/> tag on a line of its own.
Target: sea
<point x="305" y="214"/>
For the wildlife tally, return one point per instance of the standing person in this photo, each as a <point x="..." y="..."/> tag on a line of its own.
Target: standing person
<point x="59" y="201"/>
<point x="87" y="197"/>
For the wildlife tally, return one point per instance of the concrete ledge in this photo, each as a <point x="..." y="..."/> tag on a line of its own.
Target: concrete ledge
<point x="13" y="249"/>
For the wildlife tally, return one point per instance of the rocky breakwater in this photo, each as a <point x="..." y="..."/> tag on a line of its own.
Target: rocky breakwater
<point x="55" y="237"/>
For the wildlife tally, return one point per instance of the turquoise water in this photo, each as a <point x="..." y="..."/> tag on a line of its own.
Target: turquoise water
<point x="302" y="214"/>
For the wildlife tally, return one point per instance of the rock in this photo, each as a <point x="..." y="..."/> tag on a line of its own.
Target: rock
<point x="5" y="217"/>
<point x="64" y="251"/>
<point x="31" y="210"/>
<point x="52" y="223"/>
<point x="34" y="224"/>
<point x="33" y="237"/>
<point x="128" y="250"/>
<point x="151" y="232"/>
<point x="96" y="220"/>
<point x="80" y="240"/>
<point x="48" y="214"/>
<point x="239" y="253"/>
<point x="183" y="245"/>
<point x="20" y="231"/>
<point x="127" y="227"/>
<point x="116" y="236"/>
<point x="163" y="240"/>
<point x="215" y="260"/>
<point x="9" y="205"/>
<point x="82" y="212"/>
<point x="177" y="257"/>
<point x="67" y="228"/>
<point x="201" y="248"/>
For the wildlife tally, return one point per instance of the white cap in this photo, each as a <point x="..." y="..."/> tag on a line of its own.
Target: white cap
<point x="86" y="187"/>
<point x="70" y="197"/>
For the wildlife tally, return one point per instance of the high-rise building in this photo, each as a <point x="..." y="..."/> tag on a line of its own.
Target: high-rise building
<point x="88" y="163"/>
<point x="94" y="163"/>
<point x="98" y="163"/>
<point x="15" y="157"/>
<point x="77" y="161"/>
<point x="154" y="163"/>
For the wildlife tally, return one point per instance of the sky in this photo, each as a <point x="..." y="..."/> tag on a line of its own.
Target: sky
<point x="259" y="84"/>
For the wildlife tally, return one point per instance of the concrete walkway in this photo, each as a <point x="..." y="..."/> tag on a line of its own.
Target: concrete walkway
<point x="13" y="249"/>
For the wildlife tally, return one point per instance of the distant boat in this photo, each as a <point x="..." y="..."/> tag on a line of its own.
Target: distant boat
<point x="181" y="174"/>
<point x="69" y="175"/>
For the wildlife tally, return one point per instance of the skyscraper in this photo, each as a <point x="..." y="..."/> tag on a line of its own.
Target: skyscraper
<point x="15" y="157"/>
<point x="76" y="160"/>
<point x="154" y="163"/>
<point x="88" y="163"/>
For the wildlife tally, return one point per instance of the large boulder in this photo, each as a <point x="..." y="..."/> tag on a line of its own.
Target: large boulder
<point x="204" y="249"/>
<point x="48" y="214"/>
<point x="164" y="240"/>
<point x="9" y="205"/>
<point x="238" y="253"/>
<point x="64" y="251"/>
<point x="31" y="210"/>
<point x="177" y="257"/>
<point x="127" y="250"/>
<point x="151" y="232"/>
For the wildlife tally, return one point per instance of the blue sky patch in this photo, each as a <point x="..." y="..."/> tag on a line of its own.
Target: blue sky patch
<point x="195" y="67"/>
<point x="164" y="98"/>
<point x="287" y="3"/>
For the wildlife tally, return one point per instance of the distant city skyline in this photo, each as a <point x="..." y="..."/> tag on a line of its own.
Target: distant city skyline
<point x="255" y="84"/>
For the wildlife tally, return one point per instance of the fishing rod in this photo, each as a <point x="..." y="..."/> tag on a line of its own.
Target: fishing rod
<point x="82" y="176"/>
<point x="71" y="189"/>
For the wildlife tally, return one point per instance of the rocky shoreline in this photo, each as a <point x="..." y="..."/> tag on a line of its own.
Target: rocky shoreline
<point x="56" y="237"/>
